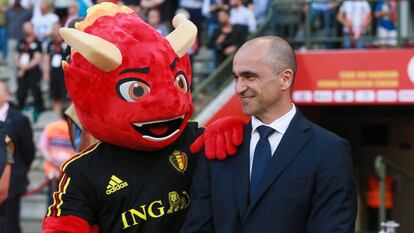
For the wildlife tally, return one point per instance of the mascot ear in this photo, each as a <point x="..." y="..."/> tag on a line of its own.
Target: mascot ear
<point x="183" y="36"/>
<point x="101" y="53"/>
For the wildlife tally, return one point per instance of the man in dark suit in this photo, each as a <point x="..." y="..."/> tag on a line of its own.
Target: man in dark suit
<point x="19" y="130"/>
<point x="289" y="175"/>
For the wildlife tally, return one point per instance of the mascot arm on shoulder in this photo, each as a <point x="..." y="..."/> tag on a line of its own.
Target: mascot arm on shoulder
<point x="131" y="88"/>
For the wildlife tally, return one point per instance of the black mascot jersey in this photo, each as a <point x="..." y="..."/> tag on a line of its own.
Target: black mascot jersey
<point x="124" y="190"/>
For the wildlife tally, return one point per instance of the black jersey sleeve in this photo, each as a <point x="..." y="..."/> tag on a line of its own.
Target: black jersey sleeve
<point x="75" y="195"/>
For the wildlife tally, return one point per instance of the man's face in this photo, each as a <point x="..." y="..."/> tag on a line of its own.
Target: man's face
<point x="257" y="83"/>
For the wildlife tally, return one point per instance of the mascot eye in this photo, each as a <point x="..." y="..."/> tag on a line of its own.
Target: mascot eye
<point x="133" y="90"/>
<point x="181" y="83"/>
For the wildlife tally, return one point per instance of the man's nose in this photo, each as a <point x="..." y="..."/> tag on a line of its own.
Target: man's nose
<point x="240" y="87"/>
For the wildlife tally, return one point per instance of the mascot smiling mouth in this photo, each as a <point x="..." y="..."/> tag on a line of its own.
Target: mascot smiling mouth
<point x="159" y="130"/>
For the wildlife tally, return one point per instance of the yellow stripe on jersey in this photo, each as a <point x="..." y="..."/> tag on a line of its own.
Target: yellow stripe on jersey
<point x="49" y="210"/>
<point x="60" y="197"/>
<point x="81" y="154"/>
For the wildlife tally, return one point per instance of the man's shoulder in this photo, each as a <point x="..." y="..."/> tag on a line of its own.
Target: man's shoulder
<point x="325" y="137"/>
<point x="324" y="133"/>
<point x="16" y="115"/>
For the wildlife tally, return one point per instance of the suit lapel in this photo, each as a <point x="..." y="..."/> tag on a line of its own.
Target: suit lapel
<point x="292" y="142"/>
<point x="239" y="165"/>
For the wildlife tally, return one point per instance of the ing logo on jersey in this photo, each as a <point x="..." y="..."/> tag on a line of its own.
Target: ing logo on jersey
<point x="115" y="184"/>
<point x="179" y="161"/>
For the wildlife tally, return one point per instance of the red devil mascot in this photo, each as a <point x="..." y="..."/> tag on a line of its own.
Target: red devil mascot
<point x="131" y="90"/>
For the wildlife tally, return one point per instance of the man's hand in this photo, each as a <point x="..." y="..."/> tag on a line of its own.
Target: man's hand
<point x="221" y="138"/>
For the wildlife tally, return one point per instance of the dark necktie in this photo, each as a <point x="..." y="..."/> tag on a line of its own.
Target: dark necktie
<point x="262" y="156"/>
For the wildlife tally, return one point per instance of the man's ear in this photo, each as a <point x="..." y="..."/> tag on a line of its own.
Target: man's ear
<point x="287" y="79"/>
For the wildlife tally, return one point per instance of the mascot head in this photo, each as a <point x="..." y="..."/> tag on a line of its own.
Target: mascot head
<point x="130" y="86"/>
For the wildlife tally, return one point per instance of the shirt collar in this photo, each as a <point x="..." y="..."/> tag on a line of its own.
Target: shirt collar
<point x="280" y="125"/>
<point x="3" y="111"/>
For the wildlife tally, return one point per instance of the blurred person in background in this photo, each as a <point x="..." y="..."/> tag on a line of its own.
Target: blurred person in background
<point x="154" y="19"/>
<point x="56" y="149"/>
<point x="79" y="137"/>
<point x="355" y="16"/>
<point x="83" y="6"/>
<point x="260" y="8"/>
<point x="227" y="38"/>
<point x="19" y="130"/>
<point x="326" y="10"/>
<point x="16" y="15"/>
<point x="53" y="72"/>
<point x="61" y="8"/>
<point x="28" y="59"/>
<point x="193" y="7"/>
<point x="6" y="153"/>
<point x="386" y="14"/>
<point x="167" y="8"/>
<point x="73" y="13"/>
<point x="3" y="29"/>
<point x="43" y="23"/>
<point x="287" y="18"/>
<point x="240" y="14"/>
<point x="209" y="10"/>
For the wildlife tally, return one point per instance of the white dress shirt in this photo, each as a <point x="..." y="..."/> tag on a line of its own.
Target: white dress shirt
<point x="280" y="126"/>
<point x="3" y="111"/>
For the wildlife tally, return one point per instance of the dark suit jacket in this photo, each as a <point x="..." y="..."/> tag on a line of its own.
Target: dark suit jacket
<point x="3" y="152"/>
<point x="19" y="130"/>
<point x="307" y="187"/>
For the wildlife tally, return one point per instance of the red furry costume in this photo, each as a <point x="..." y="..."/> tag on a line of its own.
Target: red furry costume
<point x="130" y="87"/>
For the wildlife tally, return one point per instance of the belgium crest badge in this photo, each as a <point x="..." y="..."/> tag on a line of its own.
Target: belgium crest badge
<point x="179" y="161"/>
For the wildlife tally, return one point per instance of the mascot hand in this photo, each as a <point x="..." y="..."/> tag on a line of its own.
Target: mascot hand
<point x="220" y="138"/>
<point x="67" y="224"/>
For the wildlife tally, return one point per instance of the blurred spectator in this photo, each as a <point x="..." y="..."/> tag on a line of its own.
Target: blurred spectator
<point x="61" y="7"/>
<point x="19" y="130"/>
<point x="133" y="4"/>
<point x="227" y="38"/>
<point x="287" y="18"/>
<point x="167" y="8"/>
<point x="5" y="174"/>
<point x="26" y="4"/>
<point x="193" y="7"/>
<point x="209" y="10"/>
<point x="43" y="22"/>
<point x="29" y="54"/>
<point x="3" y="28"/>
<point x="386" y="14"/>
<point x="73" y="10"/>
<point x="240" y="14"/>
<point x="260" y="8"/>
<point x="326" y="10"/>
<point x="53" y="71"/>
<point x="355" y="16"/>
<point x="79" y="137"/>
<point x="154" y="19"/>
<point x="83" y="6"/>
<point x="56" y="149"/>
<point x="15" y="17"/>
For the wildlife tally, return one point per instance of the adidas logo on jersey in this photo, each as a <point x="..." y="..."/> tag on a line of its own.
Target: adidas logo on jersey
<point x="115" y="184"/>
